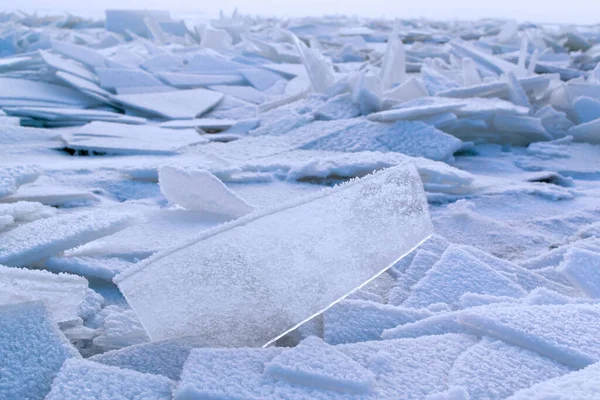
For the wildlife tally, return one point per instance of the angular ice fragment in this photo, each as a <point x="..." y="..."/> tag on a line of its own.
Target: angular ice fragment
<point x="261" y="79"/>
<point x="456" y="273"/>
<point x="178" y="104"/>
<point x="495" y="370"/>
<point x="410" y="89"/>
<point x="159" y="358"/>
<point x="413" y="112"/>
<point x="32" y="350"/>
<point x="227" y="286"/>
<point x="84" y="55"/>
<point x="316" y="364"/>
<point x="588" y="132"/>
<point x="542" y="329"/>
<point x="188" y="81"/>
<point x="82" y="379"/>
<point x="62" y="293"/>
<point x="586" y="109"/>
<point x="582" y="267"/>
<point x="112" y="78"/>
<point x="121" y="21"/>
<point x="215" y="38"/>
<point x="319" y="69"/>
<point x="584" y="384"/>
<point x="91" y="267"/>
<point x="12" y="177"/>
<point x="393" y="65"/>
<point x="197" y="189"/>
<point x="47" y="237"/>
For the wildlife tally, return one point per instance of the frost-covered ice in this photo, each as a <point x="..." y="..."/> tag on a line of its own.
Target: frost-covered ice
<point x="185" y="160"/>
<point x="79" y="379"/>
<point x="32" y="350"/>
<point x="319" y="231"/>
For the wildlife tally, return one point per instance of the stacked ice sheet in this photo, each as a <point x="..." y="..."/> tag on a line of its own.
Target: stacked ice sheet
<point x="162" y="179"/>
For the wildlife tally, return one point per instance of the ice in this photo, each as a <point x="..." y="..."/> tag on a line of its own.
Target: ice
<point x="319" y="69"/>
<point x="316" y="364"/>
<point x="78" y="379"/>
<point x="393" y="69"/>
<point x="188" y="81"/>
<point x="352" y="321"/>
<point x="50" y="194"/>
<point x="117" y="138"/>
<point x="12" y="177"/>
<point x="197" y="189"/>
<point x="181" y="104"/>
<point x="68" y="66"/>
<point x="541" y="329"/>
<point x="158" y="358"/>
<point x="84" y="55"/>
<point x="261" y="79"/>
<point x="32" y="350"/>
<point x="582" y="267"/>
<point x="414" y="368"/>
<point x="456" y="273"/>
<point x="70" y="116"/>
<point x="206" y="124"/>
<point x="62" y="294"/>
<point x="421" y="263"/>
<point x="415" y="112"/>
<point x="586" y="132"/>
<point x="120" y="21"/>
<point x="586" y="109"/>
<point x="216" y="38"/>
<point x="113" y="78"/>
<point x="91" y="267"/>
<point x="47" y="237"/>
<point x="246" y="93"/>
<point x="495" y="370"/>
<point x="228" y="320"/>
<point x="576" y="385"/>
<point x="26" y="90"/>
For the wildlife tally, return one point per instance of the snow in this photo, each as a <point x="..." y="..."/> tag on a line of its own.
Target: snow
<point x="11" y="177"/>
<point x="349" y="210"/>
<point x="32" y="350"/>
<point x="79" y="379"/>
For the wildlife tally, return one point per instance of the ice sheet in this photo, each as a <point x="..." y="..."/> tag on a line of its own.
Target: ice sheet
<point x="230" y="320"/>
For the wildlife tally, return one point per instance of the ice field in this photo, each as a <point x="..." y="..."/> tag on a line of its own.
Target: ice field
<point x="306" y="208"/>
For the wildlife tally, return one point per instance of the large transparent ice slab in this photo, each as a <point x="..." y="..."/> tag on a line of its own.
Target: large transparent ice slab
<point x="248" y="282"/>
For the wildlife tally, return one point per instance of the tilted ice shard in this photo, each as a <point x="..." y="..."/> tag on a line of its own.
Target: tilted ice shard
<point x="249" y="282"/>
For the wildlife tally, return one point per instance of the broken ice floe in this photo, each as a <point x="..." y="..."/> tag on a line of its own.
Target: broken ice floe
<point x="228" y="320"/>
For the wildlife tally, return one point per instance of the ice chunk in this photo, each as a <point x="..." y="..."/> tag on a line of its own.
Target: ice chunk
<point x="588" y="132"/>
<point x="235" y="306"/>
<point x="68" y="66"/>
<point x="216" y="38"/>
<point x="12" y="177"/>
<point x="584" y="384"/>
<point x="121" y="21"/>
<point x="393" y="65"/>
<point x="91" y="267"/>
<point x="358" y="320"/>
<point x="188" y="81"/>
<point x="180" y="104"/>
<point x="78" y="379"/>
<point x="516" y="94"/>
<point x="197" y="189"/>
<point x="32" y="350"/>
<point x="421" y="263"/>
<point x="412" y="369"/>
<point x="456" y="273"/>
<point x="116" y="138"/>
<point x="526" y="129"/>
<point x="206" y="124"/>
<point x="22" y="89"/>
<point x="582" y="267"/>
<point x="488" y="61"/>
<point x="246" y="93"/>
<point x="69" y="116"/>
<point x="541" y="329"/>
<point x="408" y="90"/>
<point x="47" y="237"/>
<point x="261" y="79"/>
<point x="113" y="78"/>
<point x="414" y="112"/>
<point x="319" y="69"/>
<point x="586" y="109"/>
<point x="316" y="364"/>
<point x="495" y="370"/>
<point x="62" y="293"/>
<point x="159" y="358"/>
<point x="83" y="54"/>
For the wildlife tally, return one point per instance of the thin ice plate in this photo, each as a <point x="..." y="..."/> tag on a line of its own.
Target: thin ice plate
<point x="249" y="282"/>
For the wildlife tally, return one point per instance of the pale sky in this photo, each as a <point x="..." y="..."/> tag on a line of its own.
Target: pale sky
<point x="559" y="11"/>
